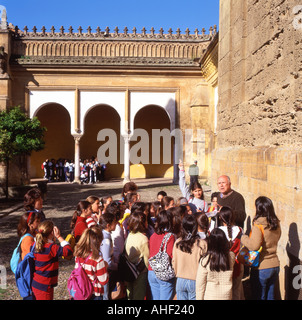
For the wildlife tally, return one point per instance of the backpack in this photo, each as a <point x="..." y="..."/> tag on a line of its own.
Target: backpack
<point x="16" y="256"/>
<point x="78" y="284"/>
<point x="24" y="274"/>
<point x="160" y="263"/>
<point x="129" y="271"/>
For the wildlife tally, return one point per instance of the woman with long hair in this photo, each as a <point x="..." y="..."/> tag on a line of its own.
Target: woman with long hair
<point x="233" y="234"/>
<point x="137" y="248"/>
<point x="78" y="222"/>
<point x="265" y="233"/>
<point x="186" y="254"/>
<point x="161" y="290"/>
<point x="87" y="253"/>
<point x="215" y="270"/>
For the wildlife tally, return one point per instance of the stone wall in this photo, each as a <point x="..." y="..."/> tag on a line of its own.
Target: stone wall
<point x="259" y="141"/>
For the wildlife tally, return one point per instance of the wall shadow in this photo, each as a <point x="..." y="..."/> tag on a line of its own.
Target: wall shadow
<point x="292" y="249"/>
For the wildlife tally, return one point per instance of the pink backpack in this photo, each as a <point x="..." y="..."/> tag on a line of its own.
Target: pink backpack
<point x="79" y="284"/>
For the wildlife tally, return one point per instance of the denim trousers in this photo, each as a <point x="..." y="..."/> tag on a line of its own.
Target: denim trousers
<point x="185" y="289"/>
<point x="161" y="290"/>
<point x="263" y="283"/>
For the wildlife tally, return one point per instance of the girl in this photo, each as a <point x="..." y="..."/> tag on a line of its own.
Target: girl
<point x="130" y="199"/>
<point x="233" y="234"/>
<point x="78" y="222"/>
<point x="95" y="266"/>
<point x="186" y="254"/>
<point x="167" y="202"/>
<point x="117" y="235"/>
<point x="108" y="223"/>
<point x="129" y="187"/>
<point x="105" y="201"/>
<point x="96" y="211"/>
<point x="197" y="199"/>
<point x="33" y="201"/>
<point x="137" y="247"/>
<point x="28" y="226"/>
<point x="154" y="210"/>
<point x="145" y="208"/>
<point x="177" y="216"/>
<point x="161" y="290"/>
<point x="264" y="278"/>
<point x="203" y="225"/>
<point x="46" y="256"/>
<point x="215" y="270"/>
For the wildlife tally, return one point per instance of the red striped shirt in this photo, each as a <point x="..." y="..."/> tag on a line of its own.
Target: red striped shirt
<point x="47" y="265"/>
<point x="97" y="273"/>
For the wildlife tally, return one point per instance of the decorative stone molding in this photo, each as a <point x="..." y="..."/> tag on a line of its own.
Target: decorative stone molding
<point x="116" y="35"/>
<point x="60" y="48"/>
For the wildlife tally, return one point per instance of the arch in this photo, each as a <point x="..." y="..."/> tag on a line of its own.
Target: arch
<point x="40" y="98"/>
<point x="59" y="143"/>
<point x="90" y="99"/>
<point x="96" y="121"/>
<point x="165" y="100"/>
<point x="157" y="156"/>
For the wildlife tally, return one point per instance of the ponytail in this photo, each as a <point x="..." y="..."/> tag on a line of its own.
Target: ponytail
<point x="226" y="215"/>
<point x="82" y="205"/>
<point x="44" y="230"/>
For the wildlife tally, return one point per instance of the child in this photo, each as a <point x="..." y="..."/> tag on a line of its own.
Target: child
<point x="28" y="224"/>
<point x="233" y="234"/>
<point x="215" y="270"/>
<point x="95" y="266"/>
<point x="137" y="247"/>
<point x="78" y="222"/>
<point x="212" y="212"/>
<point x="105" y="201"/>
<point x="130" y="199"/>
<point x="96" y="211"/>
<point x="46" y="256"/>
<point x="129" y="187"/>
<point x="161" y="290"/>
<point x="198" y="198"/>
<point x="186" y="254"/>
<point x="203" y="225"/>
<point x="167" y="202"/>
<point x="33" y="201"/>
<point x="160" y="195"/>
<point x="108" y="223"/>
<point x="154" y="210"/>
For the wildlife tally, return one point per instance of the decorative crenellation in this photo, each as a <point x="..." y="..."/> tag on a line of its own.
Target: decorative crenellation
<point x="106" y="34"/>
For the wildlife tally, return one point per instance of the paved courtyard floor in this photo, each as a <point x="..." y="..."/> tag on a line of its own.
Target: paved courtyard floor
<point x="59" y="205"/>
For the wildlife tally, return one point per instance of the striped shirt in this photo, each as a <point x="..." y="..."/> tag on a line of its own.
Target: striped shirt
<point x="96" y="271"/>
<point x="47" y="265"/>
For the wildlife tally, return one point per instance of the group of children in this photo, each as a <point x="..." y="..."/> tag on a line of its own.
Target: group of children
<point x="63" y="170"/>
<point x="201" y="242"/>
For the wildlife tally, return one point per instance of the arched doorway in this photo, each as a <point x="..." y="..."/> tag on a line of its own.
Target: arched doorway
<point x="59" y="143"/>
<point x="101" y="118"/>
<point x="149" y="118"/>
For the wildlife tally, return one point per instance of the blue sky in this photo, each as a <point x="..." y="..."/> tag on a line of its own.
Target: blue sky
<point x="167" y="14"/>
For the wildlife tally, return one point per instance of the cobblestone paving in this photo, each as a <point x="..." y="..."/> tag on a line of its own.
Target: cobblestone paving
<point x="59" y="204"/>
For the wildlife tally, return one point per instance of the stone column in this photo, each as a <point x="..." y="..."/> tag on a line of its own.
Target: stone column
<point x="127" y="138"/>
<point x="77" y="172"/>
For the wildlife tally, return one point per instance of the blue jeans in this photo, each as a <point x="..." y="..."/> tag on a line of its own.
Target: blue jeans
<point x="185" y="289"/>
<point x="263" y="283"/>
<point x="161" y="290"/>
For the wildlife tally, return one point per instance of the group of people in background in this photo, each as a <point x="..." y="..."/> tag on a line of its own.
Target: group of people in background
<point x="63" y="170"/>
<point x="202" y="241"/>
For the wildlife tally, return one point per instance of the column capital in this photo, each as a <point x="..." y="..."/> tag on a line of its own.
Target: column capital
<point x="77" y="137"/>
<point x="127" y="136"/>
